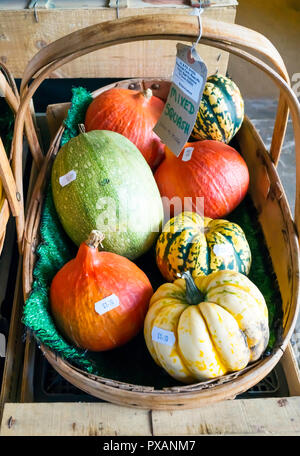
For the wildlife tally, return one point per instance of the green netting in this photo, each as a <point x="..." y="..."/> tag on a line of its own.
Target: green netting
<point x="80" y="101"/>
<point x="132" y="362"/>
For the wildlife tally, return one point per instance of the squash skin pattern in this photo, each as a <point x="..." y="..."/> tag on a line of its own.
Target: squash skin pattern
<point x="221" y="111"/>
<point x="221" y="334"/>
<point x="114" y="192"/>
<point x="190" y="243"/>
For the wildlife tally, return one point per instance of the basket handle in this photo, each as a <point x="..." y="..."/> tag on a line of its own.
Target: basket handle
<point x="10" y="92"/>
<point x="183" y="28"/>
<point x="8" y="182"/>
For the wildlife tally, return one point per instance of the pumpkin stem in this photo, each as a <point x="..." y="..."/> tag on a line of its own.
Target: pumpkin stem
<point x="95" y="238"/>
<point x="81" y="128"/>
<point x="193" y="295"/>
<point x="147" y="94"/>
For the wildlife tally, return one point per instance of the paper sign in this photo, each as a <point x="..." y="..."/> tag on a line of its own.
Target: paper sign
<point x="107" y="304"/>
<point x="163" y="336"/>
<point x="67" y="178"/>
<point x="187" y="79"/>
<point x="180" y="112"/>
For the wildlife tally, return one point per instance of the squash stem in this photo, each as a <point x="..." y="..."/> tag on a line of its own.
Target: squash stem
<point x="81" y="128"/>
<point x="147" y="94"/>
<point x="193" y="295"/>
<point x="95" y="239"/>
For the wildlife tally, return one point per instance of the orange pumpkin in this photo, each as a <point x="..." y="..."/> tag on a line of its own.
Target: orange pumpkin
<point x="99" y="299"/>
<point x="132" y="114"/>
<point x="215" y="171"/>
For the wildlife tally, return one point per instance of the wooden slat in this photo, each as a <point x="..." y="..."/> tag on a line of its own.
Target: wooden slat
<point x="255" y="417"/>
<point x="291" y="370"/>
<point x="272" y="416"/>
<point x="21" y="37"/>
<point x="69" y="419"/>
<point x="14" y="350"/>
<point x="66" y="4"/>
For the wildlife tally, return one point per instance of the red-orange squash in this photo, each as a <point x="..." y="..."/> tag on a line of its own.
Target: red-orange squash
<point x="99" y="299"/>
<point x="132" y="114"/>
<point x="215" y="171"/>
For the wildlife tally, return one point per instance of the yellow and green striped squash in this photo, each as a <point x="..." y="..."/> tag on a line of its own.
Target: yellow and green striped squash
<point x="201" y="245"/>
<point x="203" y="329"/>
<point x="221" y="111"/>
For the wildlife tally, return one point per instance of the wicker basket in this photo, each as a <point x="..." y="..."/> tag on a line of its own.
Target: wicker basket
<point x="280" y="230"/>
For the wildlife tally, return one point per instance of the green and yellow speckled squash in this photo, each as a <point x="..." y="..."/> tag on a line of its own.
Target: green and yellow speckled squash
<point x="190" y="243"/>
<point x="221" y="111"/>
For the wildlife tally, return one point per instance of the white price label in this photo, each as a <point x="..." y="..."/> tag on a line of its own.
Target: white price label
<point x="67" y="178"/>
<point x="163" y="336"/>
<point x="187" y="79"/>
<point x="223" y="250"/>
<point x="107" y="304"/>
<point x="187" y="154"/>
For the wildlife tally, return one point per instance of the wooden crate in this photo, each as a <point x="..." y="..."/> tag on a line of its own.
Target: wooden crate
<point x="23" y="416"/>
<point x="279" y="416"/>
<point x="24" y="31"/>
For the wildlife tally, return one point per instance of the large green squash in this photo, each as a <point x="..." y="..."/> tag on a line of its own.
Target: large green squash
<point x="100" y="180"/>
<point x="221" y="111"/>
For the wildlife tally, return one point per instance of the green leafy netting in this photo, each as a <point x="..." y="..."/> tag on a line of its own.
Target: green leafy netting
<point x="131" y="363"/>
<point x="80" y="101"/>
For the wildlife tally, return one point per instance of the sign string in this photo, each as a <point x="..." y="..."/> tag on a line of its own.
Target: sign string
<point x="198" y="12"/>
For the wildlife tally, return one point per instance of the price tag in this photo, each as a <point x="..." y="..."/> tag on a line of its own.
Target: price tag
<point x="2" y="345"/>
<point x="223" y="250"/>
<point x="187" y="154"/>
<point x="180" y="112"/>
<point x="163" y="336"/>
<point x="67" y="178"/>
<point x="107" y="304"/>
